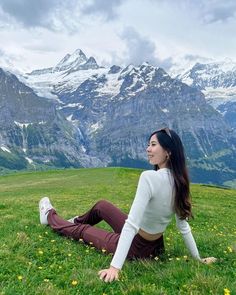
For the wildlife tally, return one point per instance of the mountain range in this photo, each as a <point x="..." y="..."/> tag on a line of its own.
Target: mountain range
<point x="79" y="114"/>
<point x="218" y="83"/>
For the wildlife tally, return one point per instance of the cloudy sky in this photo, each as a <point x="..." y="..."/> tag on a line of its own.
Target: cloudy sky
<point x="39" y="33"/>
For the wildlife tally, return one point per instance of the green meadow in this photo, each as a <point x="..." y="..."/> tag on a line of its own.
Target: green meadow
<point x="35" y="260"/>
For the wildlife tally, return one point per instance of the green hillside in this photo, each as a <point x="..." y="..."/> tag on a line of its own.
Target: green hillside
<point x="35" y="260"/>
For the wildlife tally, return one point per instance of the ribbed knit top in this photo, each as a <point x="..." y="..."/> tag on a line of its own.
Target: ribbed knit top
<point x="152" y="211"/>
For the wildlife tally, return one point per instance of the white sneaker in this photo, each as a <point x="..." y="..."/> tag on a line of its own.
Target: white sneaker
<point x="72" y="220"/>
<point x="44" y="207"/>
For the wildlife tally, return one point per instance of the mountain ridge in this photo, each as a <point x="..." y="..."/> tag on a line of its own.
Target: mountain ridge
<point x="217" y="80"/>
<point x="112" y="111"/>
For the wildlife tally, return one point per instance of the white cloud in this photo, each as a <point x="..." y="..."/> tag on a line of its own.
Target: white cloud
<point x="38" y="33"/>
<point x="106" y="8"/>
<point x="216" y="10"/>
<point x="138" y="46"/>
<point x="30" y="13"/>
<point x="141" y="49"/>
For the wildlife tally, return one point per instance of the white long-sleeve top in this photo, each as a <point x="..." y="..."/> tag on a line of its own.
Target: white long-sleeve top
<point x="152" y="211"/>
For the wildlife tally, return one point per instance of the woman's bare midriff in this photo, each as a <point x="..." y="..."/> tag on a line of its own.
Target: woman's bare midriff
<point x="149" y="237"/>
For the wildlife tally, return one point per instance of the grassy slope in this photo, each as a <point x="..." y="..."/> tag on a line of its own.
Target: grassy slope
<point x="35" y="260"/>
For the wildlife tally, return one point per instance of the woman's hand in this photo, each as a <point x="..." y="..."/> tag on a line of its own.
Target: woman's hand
<point x="208" y="260"/>
<point x="109" y="275"/>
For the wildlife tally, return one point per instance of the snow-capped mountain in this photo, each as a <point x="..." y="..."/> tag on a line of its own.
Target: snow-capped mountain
<point x="113" y="110"/>
<point x="71" y="61"/>
<point x="64" y="77"/>
<point x="218" y="82"/>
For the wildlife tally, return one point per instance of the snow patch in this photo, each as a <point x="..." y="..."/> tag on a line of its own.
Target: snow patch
<point x="227" y="65"/>
<point x="112" y="85"/>
<point x="46" y="84"/>
<point x="22" y="125"/>
<point x="165" y="110"/>
<point x="69" y="118"/>
<point x="187" y="80"/>
<point x="5" y="149"/>
<point x="220" y="95"/>
<point x="72" y="105"/>
<point x="29" y="160"/>
<point x="95" y="127"/>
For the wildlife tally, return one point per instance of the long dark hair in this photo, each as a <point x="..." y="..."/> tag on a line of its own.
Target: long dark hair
<point x="171" y="142"/>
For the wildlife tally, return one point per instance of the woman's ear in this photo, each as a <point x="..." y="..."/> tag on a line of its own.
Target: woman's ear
<point x="168" y="155"/>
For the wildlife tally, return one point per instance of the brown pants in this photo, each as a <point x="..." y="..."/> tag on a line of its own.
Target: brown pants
<point x="101" y="239"/>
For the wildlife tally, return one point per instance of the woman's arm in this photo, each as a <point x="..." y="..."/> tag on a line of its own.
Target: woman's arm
<point x="190" y="243"/>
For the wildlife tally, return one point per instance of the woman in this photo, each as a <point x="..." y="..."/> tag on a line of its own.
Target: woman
<point x="160" y="194"/>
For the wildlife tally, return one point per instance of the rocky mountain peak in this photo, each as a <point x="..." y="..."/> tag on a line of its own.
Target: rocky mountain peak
<point x="126" y="71"/>
<point x="214" y="74"/>
<point x="91" y="64"/>
<point x="71" y="61"/>
<point x="114" y="69"/>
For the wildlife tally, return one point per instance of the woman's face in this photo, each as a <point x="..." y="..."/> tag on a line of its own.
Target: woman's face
<point x="156" y="154"/>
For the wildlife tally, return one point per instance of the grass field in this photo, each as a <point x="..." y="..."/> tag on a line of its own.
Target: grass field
<point x="35" y="260"/>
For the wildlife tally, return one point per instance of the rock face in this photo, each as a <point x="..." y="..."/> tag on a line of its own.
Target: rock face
<point x="103" y="117"/>
<point x="33" y="133"/>
<point x="117" y="126"/>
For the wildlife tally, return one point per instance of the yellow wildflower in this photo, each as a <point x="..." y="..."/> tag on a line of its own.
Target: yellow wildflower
<point x="52" y="241"/>
<point x="69" y="254"/>
<point x="20" y="278"/>
<point x="103" y="250"/>
<point x="226" y="291"/>
<point x="40" y="252"/>
<point x="230" y="249"/>
<point x="74" y="283"/>
<point x="46" y="280"/>
<point x="40" y="267"/>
